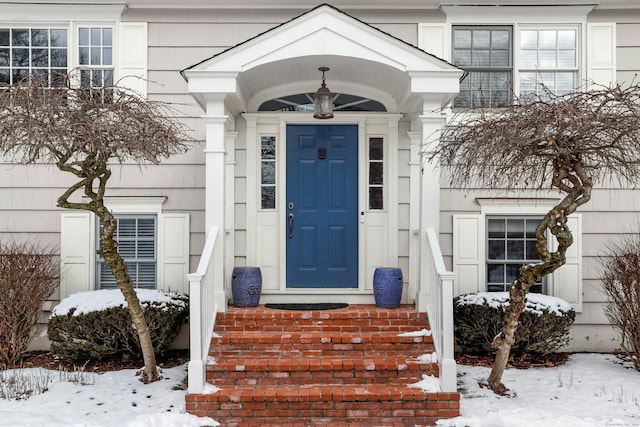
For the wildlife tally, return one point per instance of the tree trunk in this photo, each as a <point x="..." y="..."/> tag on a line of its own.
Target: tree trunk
<point x="119" y="268"/>
<point x="503" y="344"/>
<point x="574" y="181"/>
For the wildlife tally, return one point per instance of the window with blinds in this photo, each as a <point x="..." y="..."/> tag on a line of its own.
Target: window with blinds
<point x="136" y="237"/>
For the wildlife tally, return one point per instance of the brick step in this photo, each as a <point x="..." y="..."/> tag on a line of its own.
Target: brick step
<point x="348" y="367"/>
<point x="352" y="319"/>
<point x="332" y="404"/>
<point x="299" y="371"/>
<point x="316" y="343"/>
<point x="325" y="422"/>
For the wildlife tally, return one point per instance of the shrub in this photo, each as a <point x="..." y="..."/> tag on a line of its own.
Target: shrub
<point x="621" y="284"/>
<point x="29" y="274"/>
<point x="544" y="324"/>
<point x="97" y="324"/>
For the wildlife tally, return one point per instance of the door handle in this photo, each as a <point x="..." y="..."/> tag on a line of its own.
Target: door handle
<point x="290" y="217"/>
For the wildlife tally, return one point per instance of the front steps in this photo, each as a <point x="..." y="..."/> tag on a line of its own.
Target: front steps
<point x="345" y="367"/>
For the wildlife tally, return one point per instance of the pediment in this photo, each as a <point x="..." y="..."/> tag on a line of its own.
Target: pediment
<point x="322" y="31"/>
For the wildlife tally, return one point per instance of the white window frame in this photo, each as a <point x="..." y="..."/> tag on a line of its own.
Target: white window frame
<point x="130" y="262"/>
<point x="437" y="38"/>
<point x="77" y="67"/>
<point x="276" y="163"/>
<point x="132" y="207"/>
<point x="40" y="26"/>
<point x="578" y="69"/>
<point x="507" y="261"/>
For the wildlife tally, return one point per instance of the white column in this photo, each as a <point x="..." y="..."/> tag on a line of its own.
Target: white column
<point x="230" y="223"/>
<point x="215" y="189"/>
<point x="415" y="167"/>
<point x="430" y="195"/>
<point x="431" y="124"/>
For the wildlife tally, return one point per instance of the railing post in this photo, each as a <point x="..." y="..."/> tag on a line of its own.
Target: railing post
<point x="196" y="367"/>
<point x="448" y="363"/>
<point x="436" y="290"/>
<point x="202" y="312"/>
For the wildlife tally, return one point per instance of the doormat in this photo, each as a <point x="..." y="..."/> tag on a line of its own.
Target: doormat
<point x="308" y="307"/>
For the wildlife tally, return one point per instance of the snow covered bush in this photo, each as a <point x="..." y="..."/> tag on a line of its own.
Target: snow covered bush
<point x="28" y="276"/>
<point x="544" y="324"/>
<point x="97" y="324"/>
<point x="621" y="284"/>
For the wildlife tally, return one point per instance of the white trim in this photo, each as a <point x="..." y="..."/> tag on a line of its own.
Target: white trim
<point x="134" y="205"/>
<point x="516" y="206"/>
<point x="17" y="13"/>
<point x="486" y="15"/>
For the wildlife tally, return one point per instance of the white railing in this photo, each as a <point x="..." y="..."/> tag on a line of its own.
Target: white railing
<point x="437" y="298"/>
<point x="202" y="313"/>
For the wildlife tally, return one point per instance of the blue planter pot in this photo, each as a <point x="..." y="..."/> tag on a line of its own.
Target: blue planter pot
<point x="387" y="287"/>
<point x="246" y="286"/>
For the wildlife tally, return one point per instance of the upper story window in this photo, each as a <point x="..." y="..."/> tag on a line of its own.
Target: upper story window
<point x="502" y="60"/>
<point x="37" y="51"/>
<point x="548" y="59"/>
<point x="486" y="54"/>
<point x="46" y="53"/>
<point x="95" y="56"/>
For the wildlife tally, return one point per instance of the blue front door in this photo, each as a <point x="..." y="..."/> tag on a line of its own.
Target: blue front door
<point x="322" y="206"/>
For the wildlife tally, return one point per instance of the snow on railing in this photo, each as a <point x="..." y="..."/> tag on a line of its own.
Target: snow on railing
<point x="436" y="298"/>
<point x="202" y="313"/>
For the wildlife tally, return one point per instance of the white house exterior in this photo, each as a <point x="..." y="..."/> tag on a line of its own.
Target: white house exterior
<point x="239" y="74"/>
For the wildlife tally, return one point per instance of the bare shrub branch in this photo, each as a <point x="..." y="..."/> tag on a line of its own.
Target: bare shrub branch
<point x="29" y="274"/>
<point x="621" y="285"/>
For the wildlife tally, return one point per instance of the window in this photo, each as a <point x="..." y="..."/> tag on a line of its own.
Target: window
<point x="136" y="237"/>
<point x="485" y="53"/>
<point x="44" y="52"/>
<point x="95" y="56"/>
<point x="37" y="51"/>
<point x="304" y="102"/>
<point x="511" y="243"/>
<point x="376" y="173"/>
<point x="548" y="58"/>
<point x="268" y="172"/>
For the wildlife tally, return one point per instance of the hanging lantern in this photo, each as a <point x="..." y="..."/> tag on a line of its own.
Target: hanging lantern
<point x="323" y="100"/>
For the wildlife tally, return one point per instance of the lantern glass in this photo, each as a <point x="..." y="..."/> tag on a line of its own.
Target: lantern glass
<point x="323" y="103"/>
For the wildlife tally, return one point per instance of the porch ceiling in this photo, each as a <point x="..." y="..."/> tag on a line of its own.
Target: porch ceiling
<point x="346" y="75"/>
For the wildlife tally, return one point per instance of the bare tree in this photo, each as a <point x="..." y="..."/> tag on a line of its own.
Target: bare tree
<point x="563" y="142"/>
<point x="82" y="131"/>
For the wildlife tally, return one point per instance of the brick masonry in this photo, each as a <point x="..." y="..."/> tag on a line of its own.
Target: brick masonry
<point x="346" y="367"/>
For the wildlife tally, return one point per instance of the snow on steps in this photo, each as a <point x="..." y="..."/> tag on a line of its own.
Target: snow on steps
<point x="346" y="367"/>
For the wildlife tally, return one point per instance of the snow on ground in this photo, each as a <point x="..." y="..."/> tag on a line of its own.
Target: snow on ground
<point x="112" y="399"/>
<point x="590" y="390"/>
